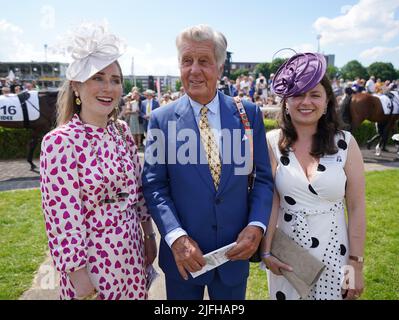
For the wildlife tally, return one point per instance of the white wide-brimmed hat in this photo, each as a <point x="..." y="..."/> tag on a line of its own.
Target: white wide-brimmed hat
<point x="92" y="49"/>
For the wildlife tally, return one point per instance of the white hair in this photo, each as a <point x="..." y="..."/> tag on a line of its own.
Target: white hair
<point x="203" y="32"/>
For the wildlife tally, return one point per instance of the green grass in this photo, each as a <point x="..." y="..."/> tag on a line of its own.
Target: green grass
<point x="22" y="241"/>
<point x="382" y="245"/>
<point x="381" y="269"/>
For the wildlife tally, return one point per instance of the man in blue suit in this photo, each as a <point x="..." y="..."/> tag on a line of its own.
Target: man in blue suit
<point x="200" y="206"/>
<point x="147" y="106"/>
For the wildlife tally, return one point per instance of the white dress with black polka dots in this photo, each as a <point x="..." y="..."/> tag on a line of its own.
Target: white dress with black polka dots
<point x="312" y="214"/>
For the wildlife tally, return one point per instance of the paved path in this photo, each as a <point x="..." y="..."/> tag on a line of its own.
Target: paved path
<point x="46" y="280"/>
<point x="16" y="174"/>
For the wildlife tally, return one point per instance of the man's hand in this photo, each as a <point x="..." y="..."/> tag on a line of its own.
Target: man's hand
<point x="247" y="243"/>
<point x="188" y="256"/>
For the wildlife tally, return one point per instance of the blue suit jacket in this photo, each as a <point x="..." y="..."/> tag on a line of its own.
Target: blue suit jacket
<point x="183" y="195"/>
<point x="143" y="110"/>
<point x="143" y="106"/>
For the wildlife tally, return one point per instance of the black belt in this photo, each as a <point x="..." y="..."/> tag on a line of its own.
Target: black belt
<point x="121" y="195"/>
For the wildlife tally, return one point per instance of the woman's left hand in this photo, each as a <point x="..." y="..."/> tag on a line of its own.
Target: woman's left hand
<point x="150" y="250"/>
<point x="354" y="290"/>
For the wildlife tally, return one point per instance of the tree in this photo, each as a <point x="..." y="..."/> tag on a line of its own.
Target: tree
<point x="127" y="85"/>
<point x="333" y="72"/>
<point x="235" y="74"/>
<point x="275" y="64"/>
<point x="263" y="68"/>
<point x="178" y="85"/>
<point x="139" y="84"/>
<point x="354" y="69"/>
<point x="382" y="70"/>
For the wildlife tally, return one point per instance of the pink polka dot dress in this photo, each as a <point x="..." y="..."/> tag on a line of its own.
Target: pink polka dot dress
<point x="86" y="228"/>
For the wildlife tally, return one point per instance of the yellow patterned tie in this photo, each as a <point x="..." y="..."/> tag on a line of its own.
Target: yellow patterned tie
<point x="210" y="146"/>
<point x="148" y="110"/>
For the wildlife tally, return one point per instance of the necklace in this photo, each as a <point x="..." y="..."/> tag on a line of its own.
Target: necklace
<point x="119" y="195"/>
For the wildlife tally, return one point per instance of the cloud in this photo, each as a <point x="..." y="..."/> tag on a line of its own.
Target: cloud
<point x="379" y="52"/>
<point x="365" y="22"/>
<point x="14" y="47"/>
<point x="7" y="27"/>
<point x="145" y="61"/>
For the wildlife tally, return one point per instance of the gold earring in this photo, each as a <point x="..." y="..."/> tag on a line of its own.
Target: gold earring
<point x="77" y="100"/>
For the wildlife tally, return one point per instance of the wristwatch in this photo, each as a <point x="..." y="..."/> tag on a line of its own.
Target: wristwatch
<point x="356" y="258"/>
<point x="152" y="235"/>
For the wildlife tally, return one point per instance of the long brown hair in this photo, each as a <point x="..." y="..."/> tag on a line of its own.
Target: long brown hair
<point x="327" y="127"/>
<point x="66" y="103"/>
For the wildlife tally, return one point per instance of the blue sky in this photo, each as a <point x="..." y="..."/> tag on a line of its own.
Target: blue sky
<point x="366" y="30"/>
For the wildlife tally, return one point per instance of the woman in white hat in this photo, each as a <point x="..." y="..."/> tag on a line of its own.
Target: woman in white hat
<point x="100" y="234"/>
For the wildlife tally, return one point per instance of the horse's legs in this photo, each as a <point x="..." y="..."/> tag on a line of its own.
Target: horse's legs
<point x="385" y="135"/>
<point x="375" y="137"/>
<point x="383" y="132"/>
<point x="32" y="147"/>
<point x="370" y="142"/>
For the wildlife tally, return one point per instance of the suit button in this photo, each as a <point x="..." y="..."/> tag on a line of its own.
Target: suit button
<point x="215" y="227"/>
<point x="218" y="200"/>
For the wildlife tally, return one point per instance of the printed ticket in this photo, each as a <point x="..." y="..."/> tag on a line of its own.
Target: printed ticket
<point x="214" y="259"/>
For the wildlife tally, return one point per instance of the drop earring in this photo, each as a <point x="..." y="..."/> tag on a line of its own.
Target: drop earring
<point x="286" y="111"/>
<point x="77" y="100"/>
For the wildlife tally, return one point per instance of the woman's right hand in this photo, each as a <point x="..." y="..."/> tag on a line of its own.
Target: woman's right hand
<point x="275" y="265"/>
<point x="81" y="282"/>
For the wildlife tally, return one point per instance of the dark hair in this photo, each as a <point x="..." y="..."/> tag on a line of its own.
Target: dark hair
<point x="327" y="127"/>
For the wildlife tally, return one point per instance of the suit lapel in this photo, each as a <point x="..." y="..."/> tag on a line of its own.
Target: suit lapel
<point x="186" y="120"/>
<point x="230" y="120"/>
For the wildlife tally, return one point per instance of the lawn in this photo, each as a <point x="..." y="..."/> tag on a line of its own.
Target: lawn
<point x="381" y="267"/>
<point x="23" y="241"/>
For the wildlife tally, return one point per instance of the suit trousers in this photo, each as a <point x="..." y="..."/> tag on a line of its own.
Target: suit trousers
<point x="217" y="290"/>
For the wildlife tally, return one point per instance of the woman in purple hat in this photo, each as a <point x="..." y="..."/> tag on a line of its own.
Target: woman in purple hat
<point x="318" y="169"/>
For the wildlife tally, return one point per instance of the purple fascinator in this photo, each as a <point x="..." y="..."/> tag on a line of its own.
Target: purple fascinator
<point x="299" y="74"/>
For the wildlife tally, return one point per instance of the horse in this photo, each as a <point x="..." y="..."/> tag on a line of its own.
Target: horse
<point x="357" y="107"/>
<point x="39" y="127"/>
